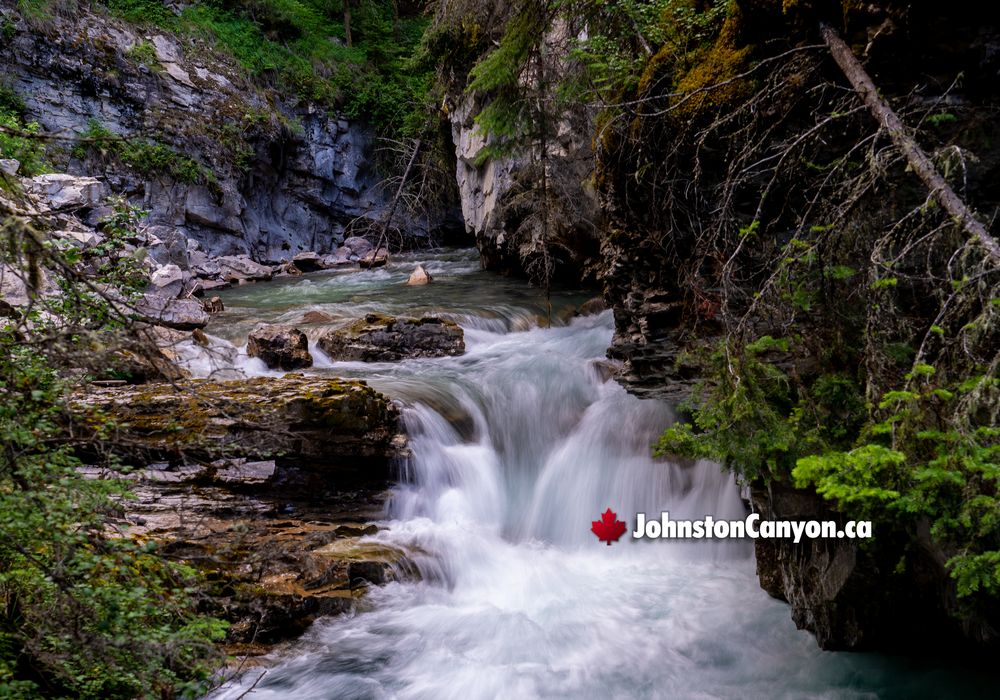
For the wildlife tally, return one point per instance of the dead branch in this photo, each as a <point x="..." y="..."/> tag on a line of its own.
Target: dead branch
<point x="897" y="131"/>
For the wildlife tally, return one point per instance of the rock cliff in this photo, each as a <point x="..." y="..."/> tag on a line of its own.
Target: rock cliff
<point x="236" y="167"/>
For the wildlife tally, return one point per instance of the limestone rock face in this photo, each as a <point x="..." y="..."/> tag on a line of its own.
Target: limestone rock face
<point x="280" y="347"/>
<point x="332" y="429"/>
<point x="500" y="195"/>
<point x="79" y="70"/>
<point x="377" y="338"/>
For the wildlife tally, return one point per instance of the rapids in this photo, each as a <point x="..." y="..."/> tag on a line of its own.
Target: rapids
<point x="517" y="446"/>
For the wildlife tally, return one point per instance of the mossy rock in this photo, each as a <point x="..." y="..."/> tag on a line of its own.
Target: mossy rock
<point x="306" y="422"/>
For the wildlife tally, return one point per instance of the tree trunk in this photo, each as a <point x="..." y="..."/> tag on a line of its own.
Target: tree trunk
<point x="383" y="236"/>
<point x="915" y="156"/>
<point x="347" y="22"/>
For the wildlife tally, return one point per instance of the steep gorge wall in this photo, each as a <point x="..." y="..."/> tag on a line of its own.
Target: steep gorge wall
<point x="696" y="217"/>
<point x="276" y="176"/>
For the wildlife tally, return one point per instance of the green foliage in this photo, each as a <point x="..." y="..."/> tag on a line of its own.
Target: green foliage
<point x="300" y="44"/>
<point x="144" y="53"/>
<point x="84" y="613"/>
<point x="18" y="139"/>
<point x="118" y="267"/>
<point x="143" y="11"/>
<point x="754" y="417"/>
<point x="941" y="118"/>
<point x="144" y="156"/>
<point x="620" y="32"/>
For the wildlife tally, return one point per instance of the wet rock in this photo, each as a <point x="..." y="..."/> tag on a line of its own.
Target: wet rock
<point x="334" y="430"/>
<point x="168" y="281"/>
<point x="374" y="258"/>
<point x="289" y="269"/>
<point x="280" y="347"/>
<point x="146" y="363"/>
<point x="592" y="307"/>
<point x="377" y="338"/>
<point x="273" y="573"/>
<point x="316" y="317"/>
<point x="419" y="276"/>
<point x="606" y="370"/>
<point x="839" y="588"/>
<point x="213" y="305"/>
<point x="240" y="268"/>
<point x="309" y="262"/>
<point x="62" y="191"/>
<point x="181" y="314"/>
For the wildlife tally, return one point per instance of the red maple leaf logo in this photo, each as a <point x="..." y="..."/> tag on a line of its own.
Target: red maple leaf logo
<point x="608" y="528"/>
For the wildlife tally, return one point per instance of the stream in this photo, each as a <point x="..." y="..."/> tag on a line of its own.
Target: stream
<point x="517" y="446"/>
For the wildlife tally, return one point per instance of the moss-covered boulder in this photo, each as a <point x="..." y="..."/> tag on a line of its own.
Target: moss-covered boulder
<point x="378" y="338"/>
<point x="319" y="425"/>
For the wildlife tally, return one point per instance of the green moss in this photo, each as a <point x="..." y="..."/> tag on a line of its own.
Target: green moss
<point x="144" y="156"/>
<point x="712" y="82"/>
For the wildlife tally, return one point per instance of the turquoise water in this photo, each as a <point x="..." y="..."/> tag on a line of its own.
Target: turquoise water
<point x="517" y="446"/>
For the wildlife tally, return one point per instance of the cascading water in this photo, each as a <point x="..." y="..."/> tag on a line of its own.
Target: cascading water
<point x="516" y="447"/>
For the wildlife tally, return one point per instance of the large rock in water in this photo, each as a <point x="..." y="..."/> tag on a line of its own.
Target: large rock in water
<point x="240" y="268"/>
<point x="377" y="338"/>
<point x="419" y="276"/>
<point x="326" y="427"/>
<point x="374" y="258"/>
<point x="179" y="314"/>
<point x="280" y="347"/>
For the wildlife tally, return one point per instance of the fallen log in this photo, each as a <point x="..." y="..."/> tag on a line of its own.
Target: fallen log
<point x="915" y="156"/>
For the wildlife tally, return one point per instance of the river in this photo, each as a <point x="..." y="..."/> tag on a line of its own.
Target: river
<point x="516" y="447"/>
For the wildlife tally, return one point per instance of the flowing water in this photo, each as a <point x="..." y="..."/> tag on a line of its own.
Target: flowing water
<point x="517" y="446"/>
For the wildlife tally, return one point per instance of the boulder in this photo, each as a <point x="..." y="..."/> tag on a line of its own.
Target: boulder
<point x="201" y="286"/>
<point x="181" y="314"/>
<point x="280" y="347"/>
<point x="213" y="305"/>
<point x="61" y="191"/>
<point x="331" y="428"/>
<point x="593" y="306"/>
<point x="316" y="317"/>
<point x="374" y="259"/>
<point x="82" y="239"/>
<point x="377" y="338"/>
<point x="240" y="268"/>
<point x="290" y="269"/>
<point x="309" y="262"/>
<point x="202" y="265"/>
<point x="168" y="281"/>
<point x="419" y="276"/>
<point x="341" y="256"/>
<point x="9" y="166"/>
<point x="356" y="245"/>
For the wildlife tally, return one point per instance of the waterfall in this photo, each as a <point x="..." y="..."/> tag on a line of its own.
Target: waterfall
<point x="516" y="447"/>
